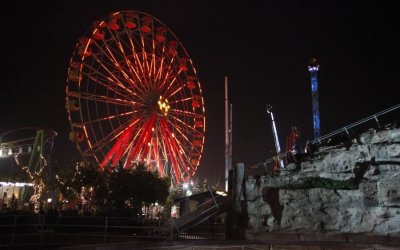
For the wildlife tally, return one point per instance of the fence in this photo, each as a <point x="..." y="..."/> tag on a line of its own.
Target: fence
<point x="209" y="231"/>
<point x="46" y="232"/>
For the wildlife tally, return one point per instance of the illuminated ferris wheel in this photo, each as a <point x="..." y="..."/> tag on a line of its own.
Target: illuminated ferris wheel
<point x="133" y="95"/>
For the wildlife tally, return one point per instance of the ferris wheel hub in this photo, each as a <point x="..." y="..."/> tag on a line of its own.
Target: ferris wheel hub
<point x="163" y="105"/>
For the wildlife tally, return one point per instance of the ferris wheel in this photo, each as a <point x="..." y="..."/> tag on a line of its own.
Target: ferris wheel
<point x="133" y="95"/>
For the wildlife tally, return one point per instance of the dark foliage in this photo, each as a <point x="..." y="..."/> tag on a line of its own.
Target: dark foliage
<point x="122" y="192"/>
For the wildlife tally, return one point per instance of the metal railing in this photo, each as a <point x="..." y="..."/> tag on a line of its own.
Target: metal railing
<point x="346" y="129"/>
<point x="47" y="231"/>
<point x="332" y="134"/>
<point x="200" y="214"/>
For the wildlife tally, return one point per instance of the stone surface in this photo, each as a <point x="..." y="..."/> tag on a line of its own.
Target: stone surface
<point x="372" y="162"/>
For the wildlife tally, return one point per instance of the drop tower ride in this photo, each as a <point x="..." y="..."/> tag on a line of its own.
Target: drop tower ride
<point x="313" y="68"/>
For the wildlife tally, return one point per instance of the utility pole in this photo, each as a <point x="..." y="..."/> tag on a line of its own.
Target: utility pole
<point x="228" y="135"/>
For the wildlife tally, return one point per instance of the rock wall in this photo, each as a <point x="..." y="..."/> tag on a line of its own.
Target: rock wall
<point x="287" y="202"/>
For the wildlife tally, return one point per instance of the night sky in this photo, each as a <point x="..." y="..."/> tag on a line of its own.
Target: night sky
<point x="262" y="46"/>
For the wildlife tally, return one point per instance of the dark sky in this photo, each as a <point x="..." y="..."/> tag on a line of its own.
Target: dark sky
<point x="262" y="46"/>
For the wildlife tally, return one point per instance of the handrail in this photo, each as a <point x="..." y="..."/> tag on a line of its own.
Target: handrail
<point x="202" y="212"/>
<point x="345" y="128"/>
<point x="329" y="135"/>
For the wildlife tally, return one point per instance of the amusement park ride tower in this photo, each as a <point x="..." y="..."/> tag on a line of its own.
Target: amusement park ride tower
<point x="313" y="68"/>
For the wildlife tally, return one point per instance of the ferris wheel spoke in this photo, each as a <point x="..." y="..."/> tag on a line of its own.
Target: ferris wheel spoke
<point x="132" y="144"/>
<point x="136" y="71"/>
<point x="146" y="130"/>
<point x="159" y="71"/>
<point x="183" y="125"/>
<point x="156" y="157"/>
<point x="130" y="113"/>
<point x="179" y="143"/>
<point x="179" y="88"/>
<point x="182" y="100"/>
<point x="145" y="60"/>
<point x="110" y="56"/>
<point x="168" y="71"/>
<point x="146" y="141"/>
<point x="106" y="83"/>
<point x="152" y="72"/>
<point x="176" y="88"/>
<point x="183" y="113"/>
<point x="144" y="81"/>
<point x="153" y="61"/>
<point x="175" y="145"/>
<point x="163" y="148"/>
<point x="140" y="63"/>
<point x="144" y="54"/>
<point x="132" y="70"/>
<point x="111" y="136"/>
<point x="171" y="153"/>
<point x="110" y="87"/>
<point x="178" y="128"/>
<point x="104" y="99"/>
<point x="137" y="61"/>
<point x="116" y="79"/>
<point x="117" y="149"/>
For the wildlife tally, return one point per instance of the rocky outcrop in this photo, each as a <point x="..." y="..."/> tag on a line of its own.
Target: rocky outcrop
<point x="360" y="191"/>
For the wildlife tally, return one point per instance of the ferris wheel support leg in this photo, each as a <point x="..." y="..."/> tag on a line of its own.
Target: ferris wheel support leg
<point x="171" y="153"/>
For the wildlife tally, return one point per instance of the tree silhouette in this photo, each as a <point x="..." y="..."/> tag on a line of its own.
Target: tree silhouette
<point x="122" y="192"/>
